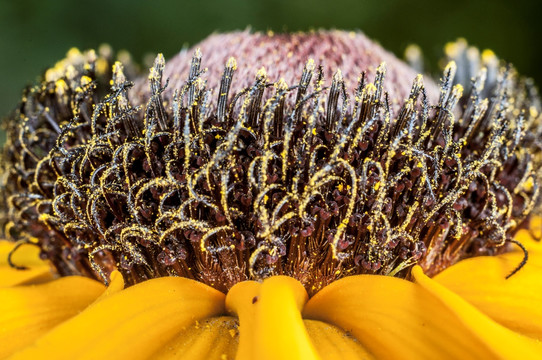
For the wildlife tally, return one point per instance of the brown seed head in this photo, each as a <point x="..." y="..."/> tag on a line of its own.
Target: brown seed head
<point x="303" y="155"/>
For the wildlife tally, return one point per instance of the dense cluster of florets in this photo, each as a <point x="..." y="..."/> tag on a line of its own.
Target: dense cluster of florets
<point x="298" y="179"/>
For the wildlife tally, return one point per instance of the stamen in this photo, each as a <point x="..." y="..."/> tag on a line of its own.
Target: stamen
<point x="17" y="245"/>
<point x="523" y="261"/>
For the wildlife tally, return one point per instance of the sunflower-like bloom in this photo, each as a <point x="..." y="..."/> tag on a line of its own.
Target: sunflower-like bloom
<point x="214" y="214"/>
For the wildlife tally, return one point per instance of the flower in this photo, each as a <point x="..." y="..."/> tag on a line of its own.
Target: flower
<point x="295" y="227"/>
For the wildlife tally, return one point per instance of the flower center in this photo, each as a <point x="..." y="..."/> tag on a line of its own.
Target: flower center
<point x="312" y="179"/>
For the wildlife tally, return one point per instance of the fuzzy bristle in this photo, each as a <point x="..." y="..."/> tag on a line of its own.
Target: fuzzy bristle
<point x="306" y="179"/>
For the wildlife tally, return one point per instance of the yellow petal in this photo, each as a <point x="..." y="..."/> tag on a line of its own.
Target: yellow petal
<point x="503" y="342"/>
<point x="240" y="302"/>
<point x="514" y="302"/>
<point x="395" y="319"/>
<point x="28" y="256"/>
<point x="271" y="326"/>
<point x="536" y="227"/>
<point x="131" y="324"/>
<point x="208" y="339"/>
<point x="280" y="332"/>
<point x="36" y="275"/>
<point x="27" y="312"/>
<point x="116" y="284"/>
<point x="333" y="343"/>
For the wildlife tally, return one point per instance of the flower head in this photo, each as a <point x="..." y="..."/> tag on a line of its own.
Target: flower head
<point x="313" y="156"/>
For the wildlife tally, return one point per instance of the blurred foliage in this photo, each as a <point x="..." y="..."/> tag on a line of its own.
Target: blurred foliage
<point x="34" y="34"/>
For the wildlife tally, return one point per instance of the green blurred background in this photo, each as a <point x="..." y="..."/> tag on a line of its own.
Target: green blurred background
<point x="36" y="33"/>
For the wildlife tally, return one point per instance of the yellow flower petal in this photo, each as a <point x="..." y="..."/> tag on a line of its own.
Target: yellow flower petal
<point x="11" y="277"/>
<point x="27" y="312"/>
<point x="239" y="302"/>
<point x="503" y="342"/>
<point x="116" y="284"/>
<point x="280" y="332"/>
<point x="130" y="324"/>
<point x="515" y="302"/>
<point x="271" y="326"/>
<point x="395" y="319"/>
<point x="333" y="343"/>
<point x="209" y="339"/>
<point x="536" y="227"/>
<point x="28" y="256"/>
